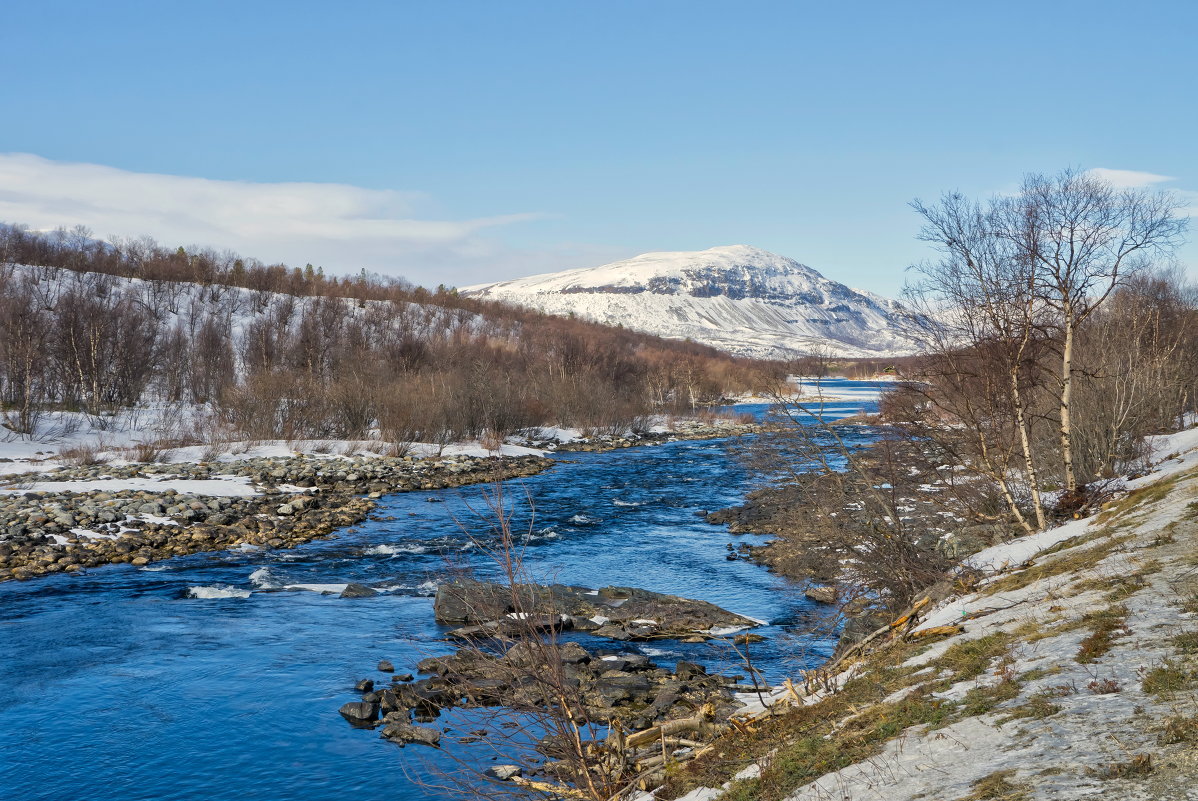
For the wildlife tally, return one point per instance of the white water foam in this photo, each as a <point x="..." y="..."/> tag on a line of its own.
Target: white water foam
<point x="219" y="591"/>
<point x="321" y="588"/>
<point x="262" y="577"/>
<point x="394" y="550"/>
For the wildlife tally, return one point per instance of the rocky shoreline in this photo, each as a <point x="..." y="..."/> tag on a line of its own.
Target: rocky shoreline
<point x="294" y="500"/>
<point x="682" y="431"/>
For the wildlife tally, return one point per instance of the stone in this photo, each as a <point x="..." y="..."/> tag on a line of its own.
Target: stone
<point x="364" y="686"/>
<point x="353" y="590"/>
<point x="403" y="733"/>
<point x="821" y="594"/>
<point x="360" y="712"/>
<point x="686" y="671"/>
<point x="385" y="666"/>
<point x="504" y="772"/>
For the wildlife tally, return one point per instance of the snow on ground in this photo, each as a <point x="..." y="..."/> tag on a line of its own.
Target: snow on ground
<point x="1182" y="450"/>
<point x="228" y="486"/>
<point x="1094" y="715"/>
<point x="116" y="444"/>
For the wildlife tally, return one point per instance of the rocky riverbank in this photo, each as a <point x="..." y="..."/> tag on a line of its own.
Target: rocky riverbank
<point x="680" y="431"/>
<point x="73" y="518"/>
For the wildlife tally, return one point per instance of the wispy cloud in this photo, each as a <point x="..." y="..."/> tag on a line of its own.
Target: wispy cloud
<point x="341" y="227"/>
<point x="1130" y="179"/>
<point x="1135" y="179"/>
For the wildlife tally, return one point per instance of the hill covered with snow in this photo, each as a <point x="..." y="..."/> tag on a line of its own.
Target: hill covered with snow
<point x="737" y="298"/>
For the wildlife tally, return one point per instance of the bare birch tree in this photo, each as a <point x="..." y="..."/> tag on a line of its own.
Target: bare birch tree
<point x="1081" y="238"/>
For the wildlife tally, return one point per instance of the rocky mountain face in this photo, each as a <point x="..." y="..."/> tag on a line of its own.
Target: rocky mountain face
<point x="737" y="298"/>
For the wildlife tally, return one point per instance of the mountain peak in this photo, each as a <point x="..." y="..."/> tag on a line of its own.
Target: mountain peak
<point x="738" y="298"/>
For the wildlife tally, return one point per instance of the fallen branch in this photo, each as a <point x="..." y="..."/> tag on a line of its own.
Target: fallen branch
<point x="700" y="723"/>
<point x="935" y="631"/>
<point x="546" y="787"/>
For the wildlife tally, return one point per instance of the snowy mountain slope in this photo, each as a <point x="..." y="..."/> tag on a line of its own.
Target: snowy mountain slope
<point x="737" y="298"/>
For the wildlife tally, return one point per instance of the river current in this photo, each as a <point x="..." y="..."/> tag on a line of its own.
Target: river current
<point x="205" y="677"/>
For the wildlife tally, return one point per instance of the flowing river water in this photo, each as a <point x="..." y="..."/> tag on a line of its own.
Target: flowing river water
<point x="203" y="677"/>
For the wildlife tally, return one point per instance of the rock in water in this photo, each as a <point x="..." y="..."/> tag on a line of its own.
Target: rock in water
<point x="357" y="591"/>
<point x="385" y="666"/>
<point x="364" y="686"/>
<point x="504" y="772"/>
<point x="820" y="594"/>
<point x="406" y="733"/>
<point x="360" y="713"/>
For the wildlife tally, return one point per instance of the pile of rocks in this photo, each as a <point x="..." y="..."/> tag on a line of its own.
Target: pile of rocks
<point x="534" y="676"/>
<point x="682" y="430"/>
<point x="617" y="613"/>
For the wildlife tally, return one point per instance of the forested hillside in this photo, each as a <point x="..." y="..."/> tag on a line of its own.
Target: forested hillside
<point x="275" y="352"/>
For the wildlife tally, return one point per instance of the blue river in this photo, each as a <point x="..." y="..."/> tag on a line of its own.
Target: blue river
<point x="203" y="677"/>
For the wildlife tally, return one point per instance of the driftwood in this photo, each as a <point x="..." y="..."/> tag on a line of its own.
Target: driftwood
<point x="700" y="723"/>
<point x="901" y="629"/>
<point x="546" y="787"/>
<point x="935" y="631"/>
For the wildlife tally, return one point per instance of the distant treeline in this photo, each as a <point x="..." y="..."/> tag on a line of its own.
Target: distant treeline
<point x="277" y="352"/>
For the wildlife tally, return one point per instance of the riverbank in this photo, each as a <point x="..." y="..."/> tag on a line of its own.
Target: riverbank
<point x="73" y="518"/>
<point x="70" y="518"/>
<point x="1070" y="669"/>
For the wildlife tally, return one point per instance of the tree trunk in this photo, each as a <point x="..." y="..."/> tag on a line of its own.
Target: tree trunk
<point x="1066" y="400"/>
<point x="1025" y="442"/>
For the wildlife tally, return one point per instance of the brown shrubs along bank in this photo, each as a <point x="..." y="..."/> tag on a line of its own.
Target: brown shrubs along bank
<point x="279" y="353"/>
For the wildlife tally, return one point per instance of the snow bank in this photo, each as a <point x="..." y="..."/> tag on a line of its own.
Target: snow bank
<point x="228" y="486"/>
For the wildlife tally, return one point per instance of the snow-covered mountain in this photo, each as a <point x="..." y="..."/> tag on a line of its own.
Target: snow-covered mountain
<point x="737" y="298"/>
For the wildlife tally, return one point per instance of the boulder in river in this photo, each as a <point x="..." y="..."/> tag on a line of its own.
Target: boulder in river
<point x="353" y="590"/>
<point x="403" y="733"/>
<point x="504" y="772"/>
<point x="360" y="713"/>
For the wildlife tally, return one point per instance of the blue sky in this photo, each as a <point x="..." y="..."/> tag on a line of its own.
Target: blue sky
<point x="460" y="142"/>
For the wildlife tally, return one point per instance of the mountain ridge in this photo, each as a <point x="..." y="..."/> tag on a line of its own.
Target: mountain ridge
<point x="738" y="298"/>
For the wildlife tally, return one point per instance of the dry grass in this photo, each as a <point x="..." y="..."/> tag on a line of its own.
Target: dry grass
<point x="1105" y="625"/>
<point x="1167" y="678"/>
<point x="1179" y="729"/>
<point x="1077" y="562"/>
<point x="998" y="787"/>
<point x="84" y="454"/>
<point x="1038" y="707"/>
<point x="1137" y="765"/>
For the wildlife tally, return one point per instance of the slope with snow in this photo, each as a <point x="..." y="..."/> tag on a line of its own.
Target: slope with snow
<point x="737" y="298"/>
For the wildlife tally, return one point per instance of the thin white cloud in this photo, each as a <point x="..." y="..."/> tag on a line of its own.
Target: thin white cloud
<point x="1130" y="179"/>
<point x="338" y="226"/>
<point x="1135" y="179"/>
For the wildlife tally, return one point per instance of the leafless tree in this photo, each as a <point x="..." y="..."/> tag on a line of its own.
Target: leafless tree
<point x="1082" y="237"/>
